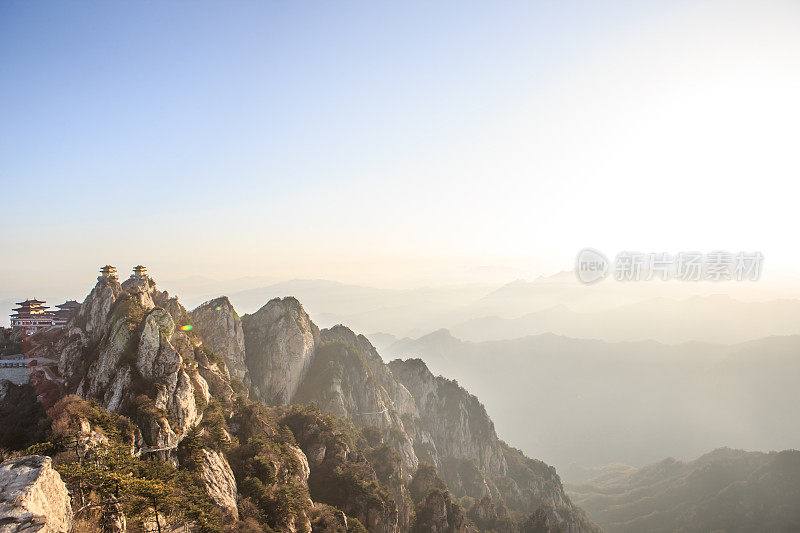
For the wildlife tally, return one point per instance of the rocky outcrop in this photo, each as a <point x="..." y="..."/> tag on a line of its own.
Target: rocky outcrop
<point x="91" y="316"/>
<point x="451" y="421"/>
<point x="341" y="475"/>
<point x="83" y="333"/>
<point x="143" y="289"/>
<point x="488" y="516"/>
<point x="437" y="512"/>
<point x="454" y="432"/>
<point x="124" y="350"/>
<point x="156" y="357"/>
<point x="350" y="380"/>
<point x="217" y="382"/>
<point x="137" y="352"/>
<point x="217" y="477"/>
<point x="402" y="400"/>
<point x="33" y="498"/>
<point x="219" y="325"/>
<point x="279" y="342"/>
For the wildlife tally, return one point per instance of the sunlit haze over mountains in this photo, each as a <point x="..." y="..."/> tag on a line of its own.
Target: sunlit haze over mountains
<point x="462" y="144"/>
<point x="399" y="267"/>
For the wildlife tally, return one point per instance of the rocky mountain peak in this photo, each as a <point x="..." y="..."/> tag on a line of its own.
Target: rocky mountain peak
<point x="221" y="329"/>
<point x="136" y="351"/>
<point x="280" y="341"/>
<point x="124" y="349"/>
<point x="91" y="316"/>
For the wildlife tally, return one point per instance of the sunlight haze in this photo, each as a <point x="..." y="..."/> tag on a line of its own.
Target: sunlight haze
<point x="483" y="146"/>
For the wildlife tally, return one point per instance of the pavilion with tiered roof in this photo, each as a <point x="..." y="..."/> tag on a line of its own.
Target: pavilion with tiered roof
<point x="108" y="272"/>
<point x="31" y="316"/>
<point x="65" y="312"/>
<point x="139" y="272"/>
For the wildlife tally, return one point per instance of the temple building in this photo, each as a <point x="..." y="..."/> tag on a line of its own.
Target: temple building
<point x="32" y="316"/>
<point x="108" y="272"/>
<point x="139" y="272"/>
<point x="65" y="312"/>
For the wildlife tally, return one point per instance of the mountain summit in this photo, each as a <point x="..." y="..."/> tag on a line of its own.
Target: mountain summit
<point x="270" y="421"/>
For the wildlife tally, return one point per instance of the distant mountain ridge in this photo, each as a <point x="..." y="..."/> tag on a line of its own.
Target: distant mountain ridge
<point x="716" y="319"/>
<point x="629" y="402"/>
<point x="555" y="304"/>
<point x="724" y="490"/>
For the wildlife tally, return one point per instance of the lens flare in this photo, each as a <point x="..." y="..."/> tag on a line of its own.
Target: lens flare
<point x="219" y="308"/>
<point x="187" y="327"/>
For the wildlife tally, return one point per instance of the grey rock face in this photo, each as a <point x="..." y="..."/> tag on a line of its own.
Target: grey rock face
<point x="402" y="400"/>
<point x="33" y="498"/>
<point x="92" y="314"/>
<point x="219" y="482"/>
<point x="350" y="380"/>
<point x="279" y="342"/>
<point x="120" y="342"/>
<point x="217" y="383"/>
<point x="221" y="329"/>
<point x="143" y="289"/>
<point x="451" y="418"/>
<point x="156" y="357"/>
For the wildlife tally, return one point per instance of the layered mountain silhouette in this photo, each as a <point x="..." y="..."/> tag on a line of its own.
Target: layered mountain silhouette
<point x="265" y="419"/>
<point x="725" y="490"/>
<point x="589" y="403"/>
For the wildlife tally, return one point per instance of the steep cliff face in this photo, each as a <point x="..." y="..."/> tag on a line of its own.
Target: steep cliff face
<point x="438" y="512"/>
<point x="454" y="433"/>
<point x="531" y="484"/>
<point x="124" y="350"/>
<point x="221" y="329"/>
<point x="279" y="342"/>
<point x="452" y="424"/>
<point x="136" y="351"/>
<point x="350" y="380"/>
<point x="271" y="470"/>
<point x="434" y="508"/>
<point x="219" y="482"/>
<point x="342" y="473"/>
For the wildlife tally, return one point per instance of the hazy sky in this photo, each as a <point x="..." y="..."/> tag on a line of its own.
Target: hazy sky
<point x="392" y="143"/>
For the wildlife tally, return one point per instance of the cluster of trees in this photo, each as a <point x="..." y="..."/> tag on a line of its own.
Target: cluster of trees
<point x="352" y="483"/>
<point x="108" y="482"/>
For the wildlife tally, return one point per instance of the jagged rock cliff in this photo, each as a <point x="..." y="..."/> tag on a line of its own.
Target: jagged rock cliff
<point x="279" y="342"/>
<point x="219" y="482"/>
<point x="455" y="433"/>
<point x="123" y="349"/>
<point x="452" y="421"/>
<point x="221" y="329"/>
<point x="32" y="497"/>
<point x="350" y="380"/>
<point x="179" y="378"/>
<point x="435" y="510"/>
<point x="432" y="419"/>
